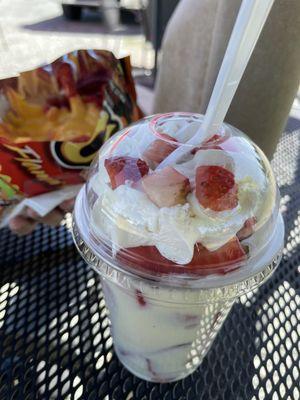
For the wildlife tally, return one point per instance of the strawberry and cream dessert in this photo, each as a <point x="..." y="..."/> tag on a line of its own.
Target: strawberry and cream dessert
<point x="176" y="242"/>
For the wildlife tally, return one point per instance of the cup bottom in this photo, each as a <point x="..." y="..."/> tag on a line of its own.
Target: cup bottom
<point x="150" y="377"/>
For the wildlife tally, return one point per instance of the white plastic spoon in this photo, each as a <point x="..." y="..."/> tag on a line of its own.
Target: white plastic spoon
<point x="250" y="21"/>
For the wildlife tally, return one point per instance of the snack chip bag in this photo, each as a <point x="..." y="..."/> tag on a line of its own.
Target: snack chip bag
<point x="53" y="120"/>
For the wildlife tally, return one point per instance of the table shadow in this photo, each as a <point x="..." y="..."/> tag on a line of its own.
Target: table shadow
<point x="91" y="24"/>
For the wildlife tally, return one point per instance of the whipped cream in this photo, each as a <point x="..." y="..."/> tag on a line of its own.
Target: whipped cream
<point x="177" y="234"/>
<point x="127" y="223"/>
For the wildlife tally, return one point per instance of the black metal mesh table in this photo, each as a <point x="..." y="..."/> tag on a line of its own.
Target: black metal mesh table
<point x="55" y="338"/>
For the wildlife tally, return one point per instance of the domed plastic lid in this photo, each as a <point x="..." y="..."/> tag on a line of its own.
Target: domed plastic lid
<point x="212" y="211"/>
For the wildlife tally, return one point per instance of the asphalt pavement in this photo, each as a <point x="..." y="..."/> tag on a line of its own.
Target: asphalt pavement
<point x="34" y="32"/>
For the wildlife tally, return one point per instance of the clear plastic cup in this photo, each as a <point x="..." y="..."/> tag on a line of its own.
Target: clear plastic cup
<point x="176" y="246"/>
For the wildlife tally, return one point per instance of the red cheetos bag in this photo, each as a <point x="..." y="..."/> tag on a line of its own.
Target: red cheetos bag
<point x="53" y="120"/>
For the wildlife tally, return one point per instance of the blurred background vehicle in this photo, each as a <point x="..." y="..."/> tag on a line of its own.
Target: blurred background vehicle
<point x="152" y="15"/>
<point x="112" y="10"/>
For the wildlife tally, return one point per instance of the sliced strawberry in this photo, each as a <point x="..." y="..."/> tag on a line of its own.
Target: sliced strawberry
<point x="166" y="187"/>
<point x="212" y="143"/>
<point x="216" y="188"/>
<point x="158" y="150"/>
<point x="140" y="298"/>
<point x="247" y="229"/>
<point x="204" y="262"/>
<point x="121" y="169"/>
<point x="214" y="138"/>
<point x="232" y="252"/>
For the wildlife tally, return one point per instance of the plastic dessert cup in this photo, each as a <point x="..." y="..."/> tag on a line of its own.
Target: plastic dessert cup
<point x="176" y="246"/>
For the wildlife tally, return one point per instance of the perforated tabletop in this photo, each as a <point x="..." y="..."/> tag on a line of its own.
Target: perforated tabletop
<point x="55" y="338"/>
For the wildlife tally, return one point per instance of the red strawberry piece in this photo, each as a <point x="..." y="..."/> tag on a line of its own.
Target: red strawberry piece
<point x="140" y="298"/>
<point x="231" y="253"/>
<point x="145" y="258"/>
<point x="121" y="169"/>
<point x="247" y="229"/>
<point x="204" y="262"/>
<point x="158" y="150"/>
<point x="166" y="187"/>
<point x="195" y="149"/>
<point x="218" y="142"/>
<point x="211" y="144"/>
<point x="216" y="188"/>
<point x="214" y="138"/>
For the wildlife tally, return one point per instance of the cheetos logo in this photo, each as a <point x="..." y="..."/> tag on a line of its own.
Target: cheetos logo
<point x="78" y="155"/>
